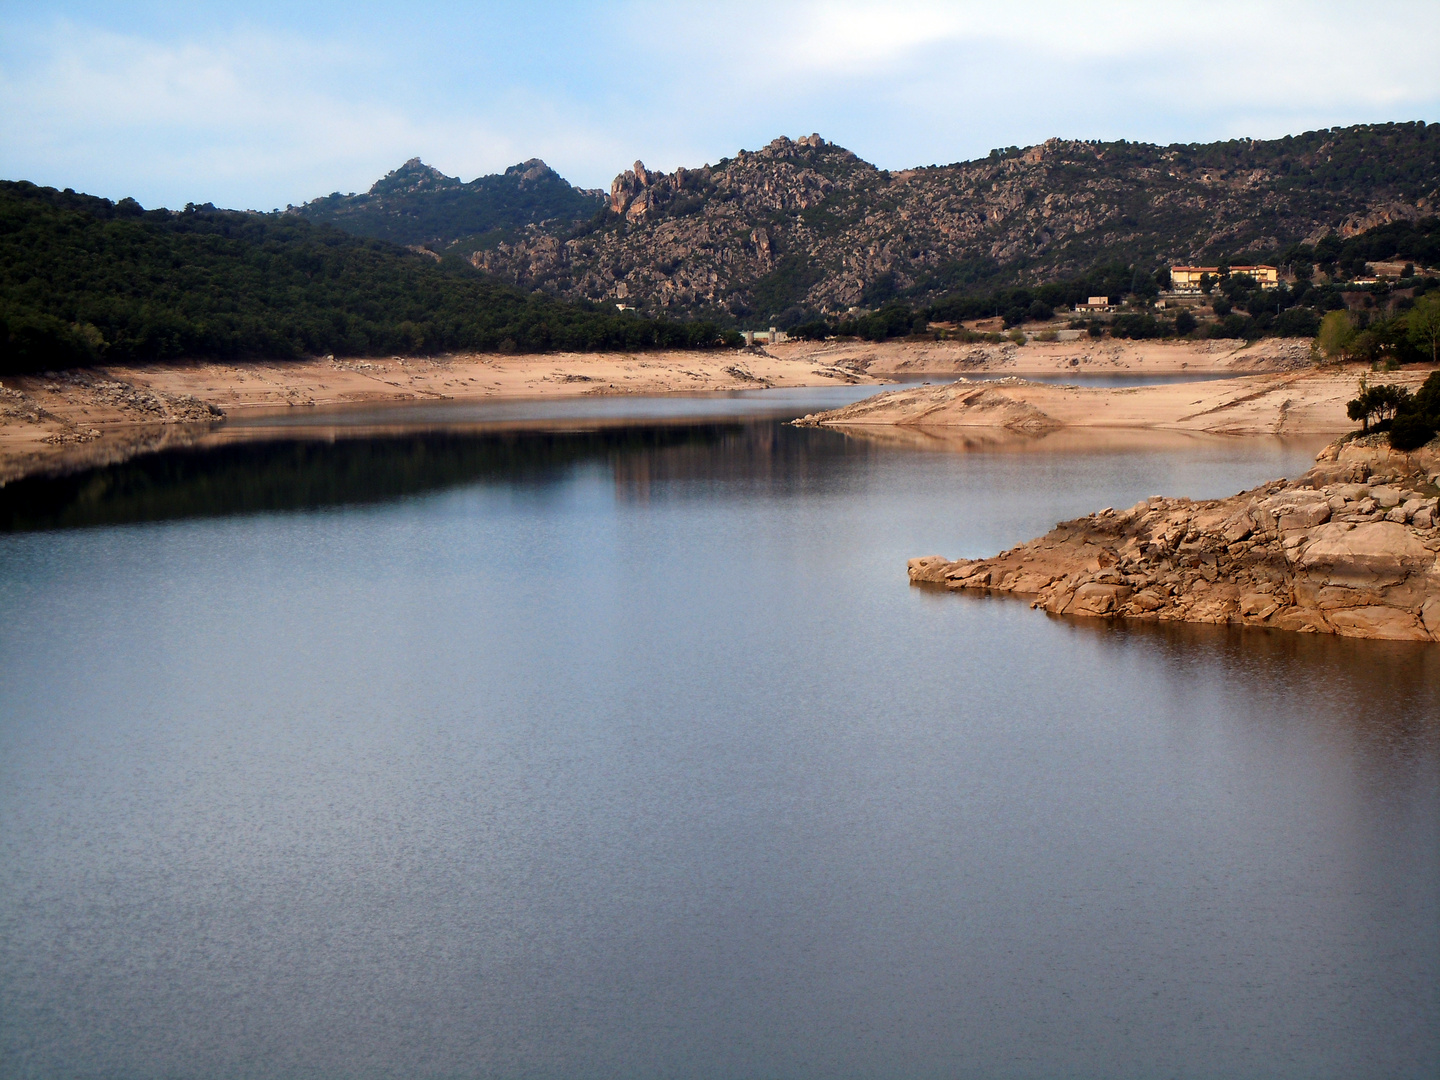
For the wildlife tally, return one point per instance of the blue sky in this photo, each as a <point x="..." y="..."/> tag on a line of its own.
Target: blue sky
<point x="263" y="104"/>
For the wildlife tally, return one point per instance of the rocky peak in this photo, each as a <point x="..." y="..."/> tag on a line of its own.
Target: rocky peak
<point x="413" y="176"/>
<point x="625" y="187"/>
<point x="530" y="171"/>
<point x="419" y="206"/>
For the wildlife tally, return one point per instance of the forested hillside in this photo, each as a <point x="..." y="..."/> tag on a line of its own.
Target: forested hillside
<point x="417" y="205"/>
<point x="805" y="229"/>
<point x="84" y="280"/>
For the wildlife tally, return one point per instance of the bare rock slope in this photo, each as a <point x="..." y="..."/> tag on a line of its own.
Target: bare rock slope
<point x="1351" y="548"/>
<point x="807" y="225"/>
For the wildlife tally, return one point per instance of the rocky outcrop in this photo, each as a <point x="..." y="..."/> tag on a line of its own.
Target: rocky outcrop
<point x="1351" y="549"/>
<point x="25" y="398"/>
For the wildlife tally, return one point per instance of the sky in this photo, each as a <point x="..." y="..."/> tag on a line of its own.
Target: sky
<point x="259" y="105"/>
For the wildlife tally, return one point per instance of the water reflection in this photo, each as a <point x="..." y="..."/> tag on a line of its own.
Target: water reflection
<point x="1386" y="690"/>
<point x="265" y="470"/>
<point x="969" y="440"/>
<point x="240" y="477"/>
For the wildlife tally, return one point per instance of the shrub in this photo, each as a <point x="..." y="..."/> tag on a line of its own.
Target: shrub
<point x="1382" y="402"/>
<point x="1137" y="326"/>
<point x="1411" y="431"/>
<point x="1297" y="322"/>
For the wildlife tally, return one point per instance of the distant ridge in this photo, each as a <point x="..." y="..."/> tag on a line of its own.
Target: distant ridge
<point x="419" y="206"/>
<point x="804" y="228"/>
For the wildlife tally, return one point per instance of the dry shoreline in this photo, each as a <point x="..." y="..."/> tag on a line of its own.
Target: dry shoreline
<point x="1283" y="403"/>
<point x="75" y="419"/>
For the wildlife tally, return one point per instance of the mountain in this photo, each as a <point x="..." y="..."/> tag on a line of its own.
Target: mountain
<point x="419" y="206"/>
<point x="805" y="227"/>
<point x="85" y="280"/>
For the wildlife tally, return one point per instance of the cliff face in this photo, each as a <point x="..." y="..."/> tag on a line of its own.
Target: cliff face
<point x="1352" y="548"/>
<point x="806" y="225"/>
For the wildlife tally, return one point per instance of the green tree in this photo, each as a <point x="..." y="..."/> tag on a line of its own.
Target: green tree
<point x="1337" y="335"/>
<point x="1424" y="325"/>
<point x="1379" y="402"/>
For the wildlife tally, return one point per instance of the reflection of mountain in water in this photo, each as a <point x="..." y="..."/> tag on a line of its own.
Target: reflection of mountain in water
<point x="293" y="474"/>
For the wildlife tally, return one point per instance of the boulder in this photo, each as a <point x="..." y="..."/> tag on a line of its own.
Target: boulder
<point x="1372" y="553"/>
<point x="1237" y="530"/>
<point x="1387" y="623"/>
<point x="927" y="567"/>
<point x="1305" y="517"/>
<point x="1097" y="598"/>
<point x="1147" y="600"/>
<point x="1258" y="605"/>
<point x="1028" y="583"/>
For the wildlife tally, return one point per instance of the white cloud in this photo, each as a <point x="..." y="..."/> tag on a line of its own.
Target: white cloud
<point x="915" y="81"/>
<point x="264" y="116"/>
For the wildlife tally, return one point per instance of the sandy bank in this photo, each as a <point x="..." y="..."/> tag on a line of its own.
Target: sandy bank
<point x="1351" y="548"/>
<point x="1286" y="403"/>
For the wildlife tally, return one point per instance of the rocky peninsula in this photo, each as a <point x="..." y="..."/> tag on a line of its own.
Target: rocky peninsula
<point x="1350" y="548"/>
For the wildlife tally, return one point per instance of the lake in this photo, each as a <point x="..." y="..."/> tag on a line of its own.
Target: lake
<point x="612" y="742"/>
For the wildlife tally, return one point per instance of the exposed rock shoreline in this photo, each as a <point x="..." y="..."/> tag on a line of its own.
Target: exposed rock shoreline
<point x="1284" y="402"/>
<point x="1351" y="548"/>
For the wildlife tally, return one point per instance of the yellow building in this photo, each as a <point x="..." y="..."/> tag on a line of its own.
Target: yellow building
<point x="1187" y="278"/>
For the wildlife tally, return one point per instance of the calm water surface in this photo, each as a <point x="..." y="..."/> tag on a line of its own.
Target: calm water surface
<point x="628" y="752"/>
